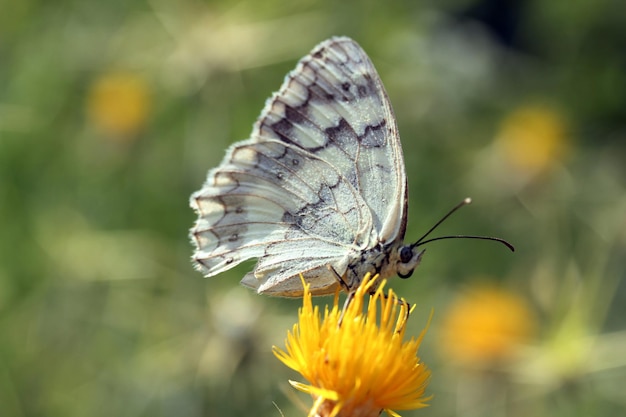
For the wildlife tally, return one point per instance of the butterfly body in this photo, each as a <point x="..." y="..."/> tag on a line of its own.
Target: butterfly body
<point x="318" y="190"/>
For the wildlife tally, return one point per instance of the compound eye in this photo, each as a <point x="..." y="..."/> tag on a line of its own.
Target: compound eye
<point x="406" y="254"/>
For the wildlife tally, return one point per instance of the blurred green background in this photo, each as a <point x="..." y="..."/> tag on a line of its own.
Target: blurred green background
<point x="111" y="113"/>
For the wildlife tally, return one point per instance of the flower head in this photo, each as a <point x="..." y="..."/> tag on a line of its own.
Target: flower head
<point x="533" y="138"/>
<point x="486" y="325"/>
<point x="356" y="361"/>
<point x="118" y="103"/>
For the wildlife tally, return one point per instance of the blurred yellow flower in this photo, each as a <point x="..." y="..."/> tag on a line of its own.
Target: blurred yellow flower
<point x="484" y="325"/>
<point x="356" y="361"/>
<point x="532" y="138"/>
<point x="118" y="103"/>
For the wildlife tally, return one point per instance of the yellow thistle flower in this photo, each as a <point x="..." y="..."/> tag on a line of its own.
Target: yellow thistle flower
<point x="355" y="361"/>
<point x="533" y="138"/>
<point x="119" y="103"/>
<point x="485" y="325"/>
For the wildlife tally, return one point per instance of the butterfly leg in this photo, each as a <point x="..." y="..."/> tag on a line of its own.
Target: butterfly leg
<point x="407" y="309"/>
<point x="342" y="283"/>
<point x="347" y="289"/>
<point x="349" y="299"/>
<point x="407" y="312"/>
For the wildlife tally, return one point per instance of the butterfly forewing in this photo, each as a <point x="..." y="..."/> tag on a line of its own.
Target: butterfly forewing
<point x="320" y="181"/>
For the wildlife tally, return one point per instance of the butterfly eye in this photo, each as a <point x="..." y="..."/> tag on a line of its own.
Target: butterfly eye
<point x="406" y="254"/>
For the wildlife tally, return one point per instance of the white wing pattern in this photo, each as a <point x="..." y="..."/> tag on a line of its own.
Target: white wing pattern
<point x="321" y="183"/>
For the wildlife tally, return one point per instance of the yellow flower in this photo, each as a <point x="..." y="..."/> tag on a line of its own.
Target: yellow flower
<point x="118" y="104"/>
<point x="532" y="138"/>
<point x="486" y="325"/>
<point x="355" y="361"/>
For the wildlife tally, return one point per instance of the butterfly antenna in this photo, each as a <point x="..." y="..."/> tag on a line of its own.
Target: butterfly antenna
<point x="465" y="202"/>
<point x="455" y="208"/>
<point x="495" y="239"/>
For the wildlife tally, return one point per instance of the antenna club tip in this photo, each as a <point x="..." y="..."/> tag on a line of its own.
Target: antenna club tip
<point x="468" y="200"/>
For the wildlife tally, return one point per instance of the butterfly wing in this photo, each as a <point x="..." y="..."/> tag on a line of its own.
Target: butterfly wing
<point x="320" y="181"/>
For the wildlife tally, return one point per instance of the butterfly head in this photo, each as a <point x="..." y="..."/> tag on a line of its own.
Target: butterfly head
<point x="409" y="257"/>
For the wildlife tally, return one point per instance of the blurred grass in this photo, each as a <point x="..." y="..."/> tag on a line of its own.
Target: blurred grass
<point x="100" y="310"/>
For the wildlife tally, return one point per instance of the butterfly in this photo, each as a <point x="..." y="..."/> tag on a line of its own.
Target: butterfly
<point x="319" y="190"/>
